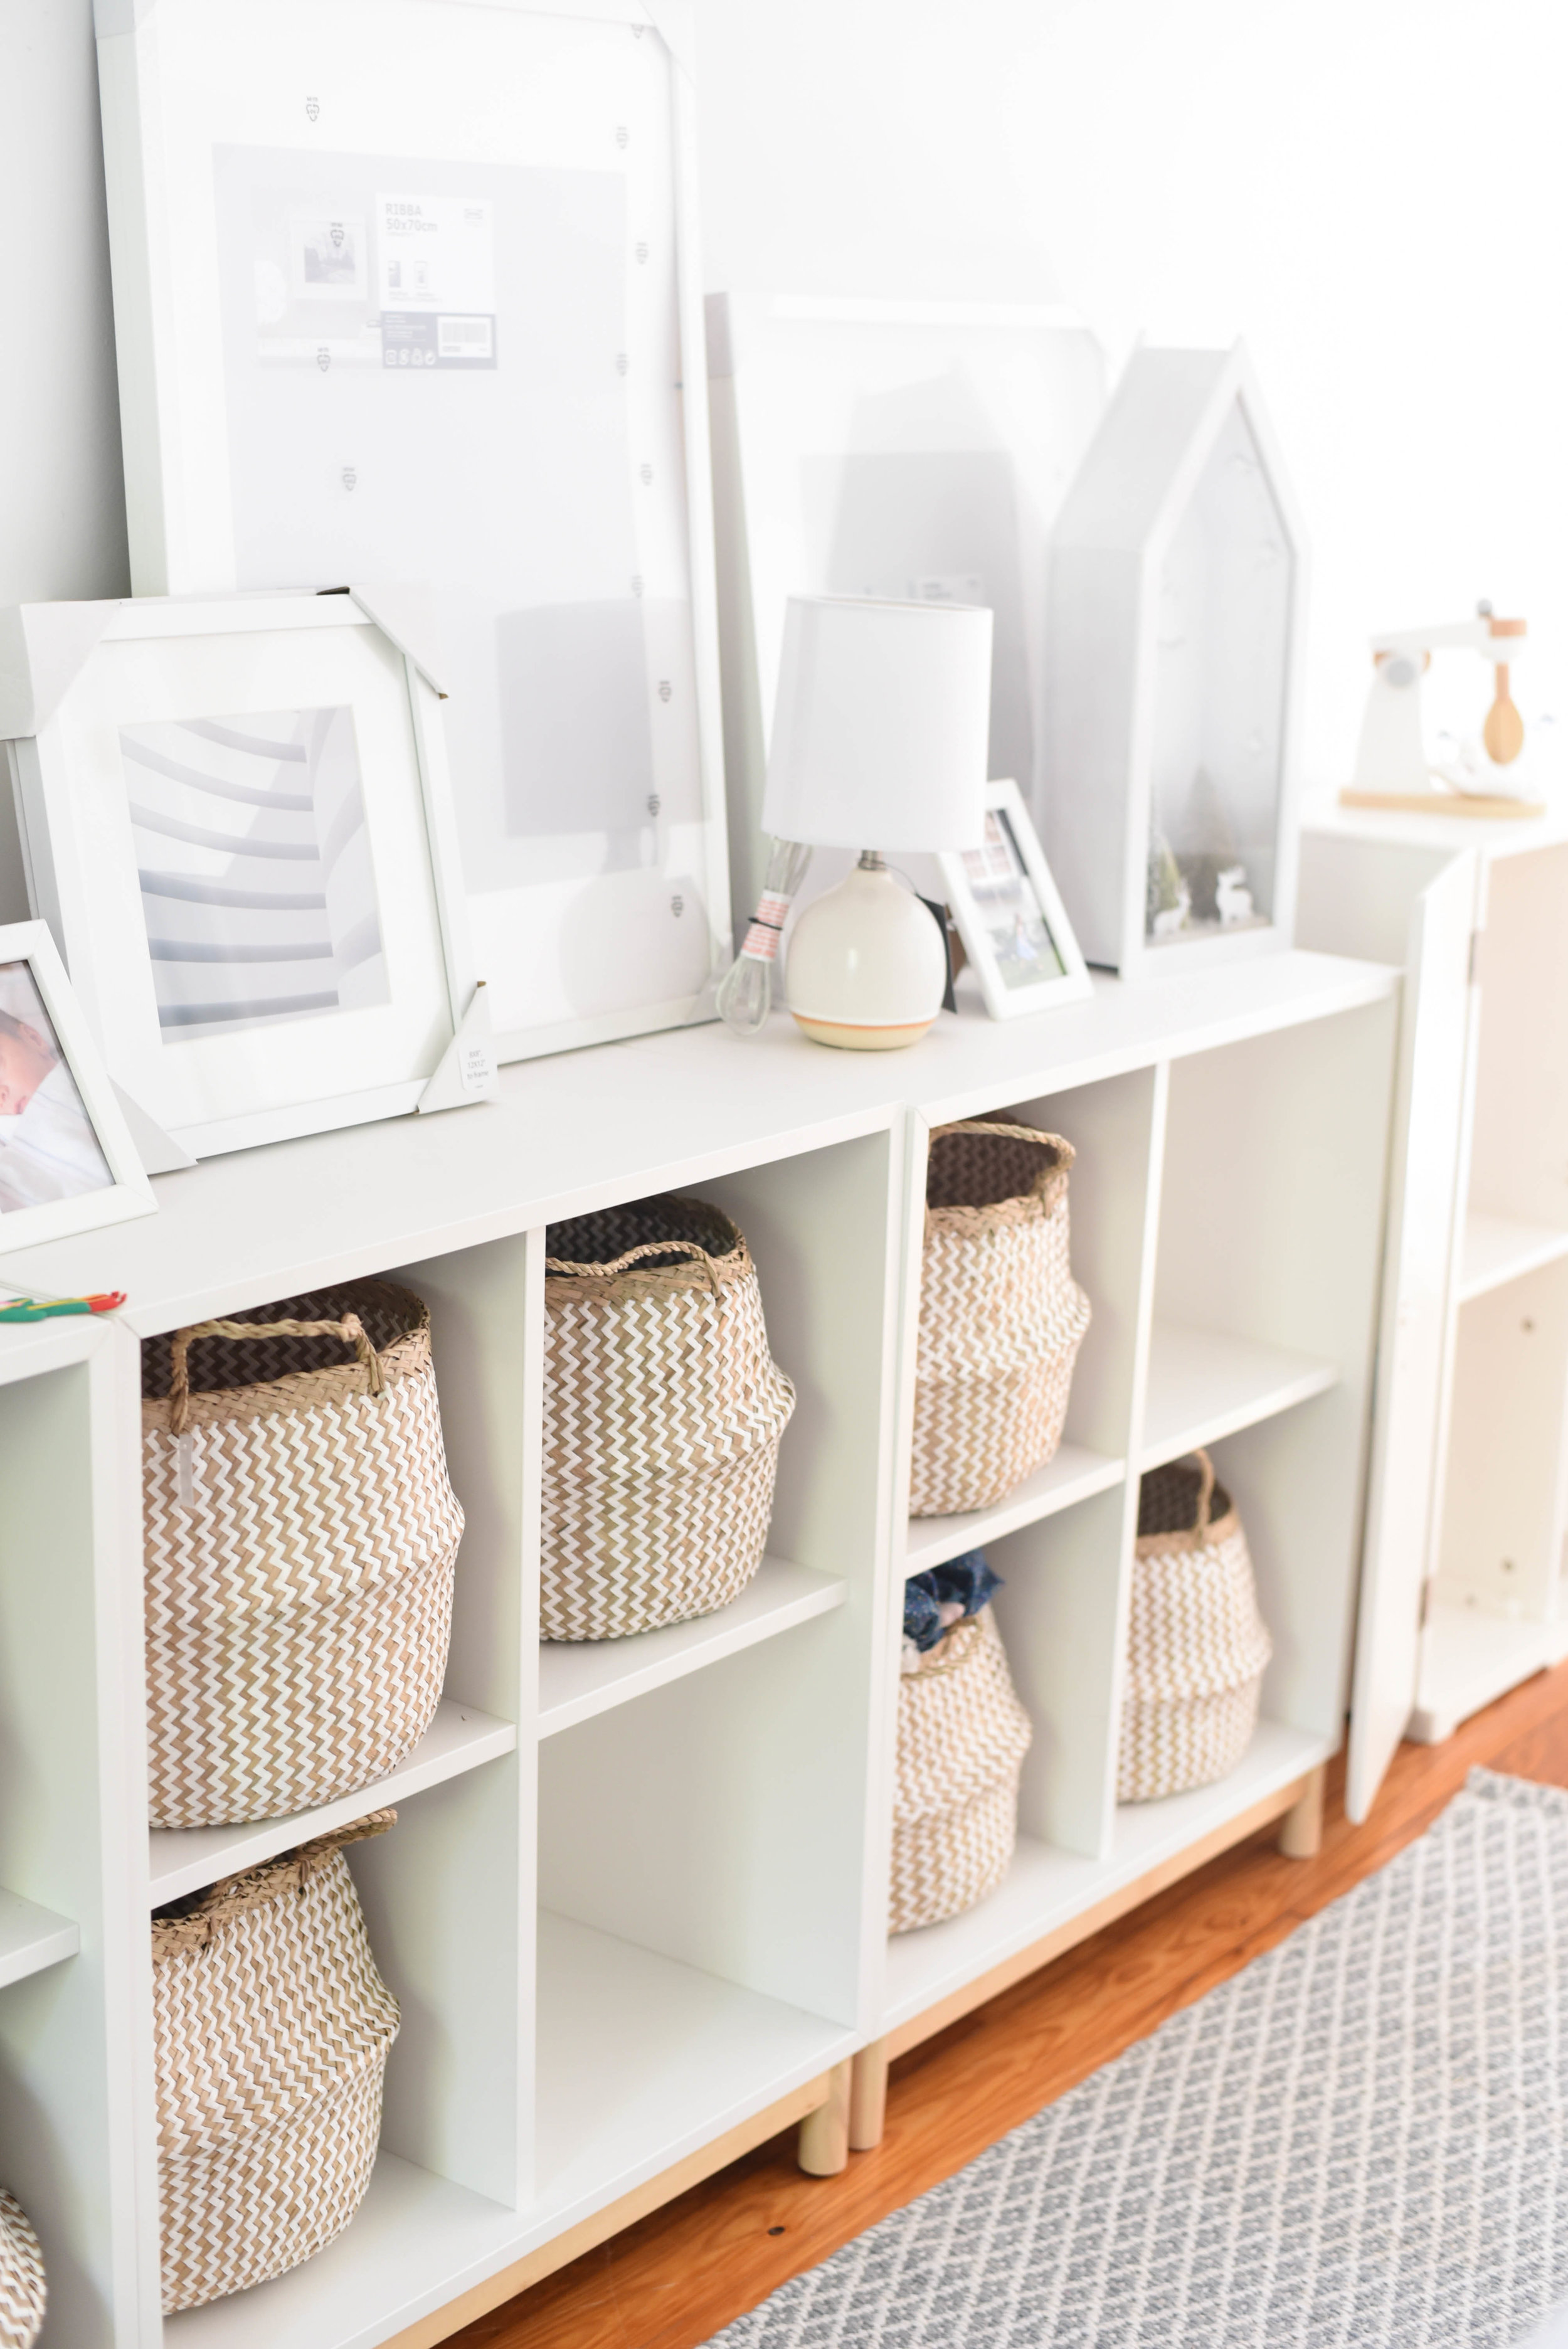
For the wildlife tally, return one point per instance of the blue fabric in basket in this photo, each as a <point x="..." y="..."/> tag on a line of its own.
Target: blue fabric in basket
<point x="929" y="1596"/>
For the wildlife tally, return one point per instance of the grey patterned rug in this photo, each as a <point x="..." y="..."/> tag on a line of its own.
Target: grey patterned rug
<point x="1358" y="2143"/>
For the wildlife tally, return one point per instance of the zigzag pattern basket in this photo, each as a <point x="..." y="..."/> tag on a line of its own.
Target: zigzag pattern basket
<point x="301" y="1534"/>
<point x="272" y="2029"/>
<point x="1001" y="1317"/>
<point x="663" y="1411"/>
<point x="23" y="2291"/>
<point x="1197" y="1646"/>
<point x="962" y="1738"/>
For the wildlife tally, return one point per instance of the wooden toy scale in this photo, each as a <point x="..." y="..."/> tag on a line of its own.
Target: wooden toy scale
<point x="1392" y="769"/>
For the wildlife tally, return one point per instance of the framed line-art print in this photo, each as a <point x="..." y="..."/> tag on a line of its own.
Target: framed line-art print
<point x="408" y="289"/>
<point x="68" y="1163"/>
<point x="914" y="451"/>
<point x="235" y="821"/>
<point x="1010" y="915"/>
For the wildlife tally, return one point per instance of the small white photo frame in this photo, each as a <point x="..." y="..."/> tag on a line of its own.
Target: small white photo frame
<point x="236" y="820"/>
<point x="67" y="1163"/>
<point x="1010" y="915"/>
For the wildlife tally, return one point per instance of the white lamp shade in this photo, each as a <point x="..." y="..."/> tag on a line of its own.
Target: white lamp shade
<point x="880" y="727"/>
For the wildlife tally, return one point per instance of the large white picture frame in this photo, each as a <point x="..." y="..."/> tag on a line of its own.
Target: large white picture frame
<point x="1010" y="914"/>
<point x="235" y="819"/>
<point x="68" y="1163"/>
<point x="900" y="448"/>
<point x="410" y="289"/>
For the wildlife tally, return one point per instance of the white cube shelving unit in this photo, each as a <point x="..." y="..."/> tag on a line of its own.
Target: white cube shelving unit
<point x="635" y="1905"/>
<point x="1464" y="1592"/>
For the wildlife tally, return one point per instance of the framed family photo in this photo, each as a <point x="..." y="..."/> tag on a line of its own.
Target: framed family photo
<point x="68" y="1163"/>
<point x="1010" y="915"/>
<point x="235" y="820"/>
<point x="425" y="304"/>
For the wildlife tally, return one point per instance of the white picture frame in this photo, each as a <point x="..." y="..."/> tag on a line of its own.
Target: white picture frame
<point x="549" y="475"/>
<point x="1005" y="886"/>
<point x="234" y="817"/>
<point x="914" y="449"/>
<point x="82" y="1171"/>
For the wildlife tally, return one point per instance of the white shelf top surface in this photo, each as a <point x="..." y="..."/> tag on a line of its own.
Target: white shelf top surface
<point x="1044" y="1887"/>
<point x="1205" y="1383"/>
<point x="32" y="1937"/>
<point x="1497" y="1249"/>
<point x="642" y="2060"/>
<point x="578" y="1678"/>
<point x="1075" y="1474"/>
<point x="183" y="1859"/>
<point x="1493" y="835"/>
<point x="585" y="1129"/>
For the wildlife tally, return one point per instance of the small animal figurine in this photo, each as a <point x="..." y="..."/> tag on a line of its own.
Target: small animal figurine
<point x="1232" y="898"/>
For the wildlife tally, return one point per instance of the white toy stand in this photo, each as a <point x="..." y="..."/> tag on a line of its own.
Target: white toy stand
<point x="1392" y="767"/>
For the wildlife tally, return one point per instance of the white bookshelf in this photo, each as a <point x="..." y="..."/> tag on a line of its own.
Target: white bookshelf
<point x="183" y="1859"/>
<point x="635" y="1904"/>
<point x="1205" y="1383"/>
<point x="1498" y="1248"/>
<point x="578" y="1679"/>
<point x="32" y="1937"/>
<point x="1463" y="1593"/>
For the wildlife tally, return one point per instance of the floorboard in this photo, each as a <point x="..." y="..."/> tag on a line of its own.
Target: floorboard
<point x="679" y="2276"/>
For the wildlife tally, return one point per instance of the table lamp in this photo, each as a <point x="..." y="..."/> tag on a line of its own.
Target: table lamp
<point x="880" y="737"/>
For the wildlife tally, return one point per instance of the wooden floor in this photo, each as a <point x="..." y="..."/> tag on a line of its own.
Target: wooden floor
<point x="680" y="2276"/>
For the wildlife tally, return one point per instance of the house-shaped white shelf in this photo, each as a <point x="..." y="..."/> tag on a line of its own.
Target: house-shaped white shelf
<point x="1176" y="601"/>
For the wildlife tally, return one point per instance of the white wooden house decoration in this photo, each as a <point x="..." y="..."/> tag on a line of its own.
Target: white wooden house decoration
<point x="1175" y="606"/>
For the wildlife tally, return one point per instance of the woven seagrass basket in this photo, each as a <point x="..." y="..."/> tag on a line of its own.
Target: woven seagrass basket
<point x="1197" y="1646"/>
<point x="22" y="2291"/>
<point x="300" y="1538"/>
<point x="962" y="1738"/>
<point x="272" y="2029"/>
<point x="1001" y="1317"/>
<point x="662" y="1411"/>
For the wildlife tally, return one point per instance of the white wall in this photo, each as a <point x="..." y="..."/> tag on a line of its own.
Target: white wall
<point x="62" y="503"/>
<point x="1369" y="189"/>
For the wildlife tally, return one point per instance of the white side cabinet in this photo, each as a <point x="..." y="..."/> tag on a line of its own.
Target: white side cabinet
<point x="634" y="1906"/>
<point x="1464" y="1591"/>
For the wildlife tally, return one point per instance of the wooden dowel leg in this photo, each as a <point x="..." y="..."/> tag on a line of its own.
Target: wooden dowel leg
<point x="824" y="2147"/>
<point x="1300" y="1829"/>
<point x="867" y="2096"/>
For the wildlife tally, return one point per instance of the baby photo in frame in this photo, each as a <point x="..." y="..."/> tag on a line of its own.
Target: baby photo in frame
<point x="1010" y="915"/>
<point x="68" y="1163"/>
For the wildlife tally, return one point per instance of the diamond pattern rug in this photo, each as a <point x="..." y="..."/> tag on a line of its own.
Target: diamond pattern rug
<point x="1358" y="2143"/>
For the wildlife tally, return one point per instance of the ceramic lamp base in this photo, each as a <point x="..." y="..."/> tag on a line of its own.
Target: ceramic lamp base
<point x="861" y="1040"/>
<point x="867" y="968"/>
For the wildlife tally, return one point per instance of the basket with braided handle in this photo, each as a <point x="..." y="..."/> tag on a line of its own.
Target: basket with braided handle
<point x="300" y="1539"/>
<point x="662" y="1413"/>
<point x="271" y="2032"/>
<point x="1001" y="1317"/>
<point x="1197" y="1646"/>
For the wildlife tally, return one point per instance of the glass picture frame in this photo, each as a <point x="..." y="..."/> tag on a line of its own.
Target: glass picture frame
<point x="430" y="307"/>
<point x="235" y="818"/>
<point x="1010" y="915"/>
<point x="911" y="449"/>
<point x="68" y="1161"/>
